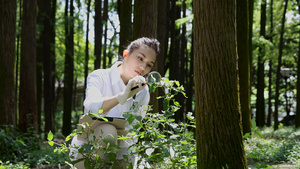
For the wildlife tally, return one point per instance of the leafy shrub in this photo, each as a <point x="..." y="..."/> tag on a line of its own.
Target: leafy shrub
<point x="15" y="145"/>
<point x="162" y="143"/>
<point x="281" y="146"/>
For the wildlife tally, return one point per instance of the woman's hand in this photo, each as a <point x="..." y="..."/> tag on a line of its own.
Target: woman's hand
<point x="136" y="81"/>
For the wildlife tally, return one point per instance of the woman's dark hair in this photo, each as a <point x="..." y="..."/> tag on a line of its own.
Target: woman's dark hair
<point x="150" y="42"/>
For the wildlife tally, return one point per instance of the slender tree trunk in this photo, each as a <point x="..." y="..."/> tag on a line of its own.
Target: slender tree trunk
<point x="28" y="104"/>
<point x="53" y="58"/>
<point x="297" y="121"/>
<point x="244" y="63"/>
<point x="125" y="13"/>
<point x="8" y="104"/>
<point x="18" y="55"/>
<point x="46" y="48"/>
<point x="162" y="37"/>
<point x="98" y="31"/>
<point x="39" y="63"/>
<point x="250" y="7"/>
<point x="276" y="123"/>
<point x="260" y="101"/>
<point x="105" y="19"/>
<point x="183" y="59"/>
<point x="269" y="122"/>
<point x="218" y="117"/>
<point x="69" y="68"/>
<point x="145" y="25"/>
<point x="86" y="68"/>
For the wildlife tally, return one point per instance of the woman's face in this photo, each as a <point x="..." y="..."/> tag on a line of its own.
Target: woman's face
<point x="140" y="61"/>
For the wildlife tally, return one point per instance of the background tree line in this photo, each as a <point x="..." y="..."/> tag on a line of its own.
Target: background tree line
<point x="46" y="52"/>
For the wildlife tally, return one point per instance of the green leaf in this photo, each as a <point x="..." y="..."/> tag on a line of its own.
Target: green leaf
<point x="247" y="135"/>
<point x="155" y="125"/>
<point x="105" y="119"/>
<point x="130" y="119"/>
<point x="166" y="104"/>
<point x="51" y="143"/>
<point x="68" y="138"/>
<point x="138" y="118"/>
<point x="50" y="136"/>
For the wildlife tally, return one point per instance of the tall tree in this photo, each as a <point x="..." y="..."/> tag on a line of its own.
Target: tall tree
<point x="86" y="63"/>
<point x="270" y="68"/>
<point x="145" y="25"/>
<point x="98" y="32"/>
<point x="105" y="19"/>
<point x="47" y="54"/>
<point x="276" y="123"/>
<point x="260" y="101"/>
<point x="69" y="68"/>
<point x="174" y="53"/>
<point x="8" y="10"/>
<point x="125" y="12"/>
<point x="297" y="121"/>
<point x="28" y="104"/>
<point x="218" y="117"/>
<point x="162" y="37"/>
<point x="243" y="63"/>
<point x="39" y="61"/>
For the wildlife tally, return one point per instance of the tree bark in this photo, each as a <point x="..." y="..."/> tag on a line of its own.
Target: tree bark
<point x="86" y="63"/>
<point x="278" y="76"/>
<point x="28" y="103"/>
<point x="69" y="70"/>
<point x="218" y="117"/>
<point x="162" y="37"/>
<point x="260" y="101"/>
<point x="145" y="25"/>
<point x="269" y="122"/>
<point x="8" y="104"/>
<point x="105" y="19"/>
<point x="243" y="63"/>
<point x="125" y="24"/>
<point x="98" y="31"/>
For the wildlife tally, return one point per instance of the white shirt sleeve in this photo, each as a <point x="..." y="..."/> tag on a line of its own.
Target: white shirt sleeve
<point x="94" y="98"/>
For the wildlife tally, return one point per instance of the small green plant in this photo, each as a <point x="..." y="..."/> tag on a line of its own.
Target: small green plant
<point x="161" y="143"/>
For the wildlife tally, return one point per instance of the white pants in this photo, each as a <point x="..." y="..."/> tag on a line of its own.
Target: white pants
<point x="108" y="132"/>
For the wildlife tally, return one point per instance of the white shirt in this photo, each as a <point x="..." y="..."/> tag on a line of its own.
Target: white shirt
<point x="105" y="83"/>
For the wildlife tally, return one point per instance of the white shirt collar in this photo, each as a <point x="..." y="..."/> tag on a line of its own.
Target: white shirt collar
<point x="115" y="74"/>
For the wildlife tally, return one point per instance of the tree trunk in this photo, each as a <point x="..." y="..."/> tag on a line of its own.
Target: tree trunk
<point x="174" y="54"/>
<point x="297" y="121"/>
<point x="260" y="101"/>
<point x="162" y="37"/>
<point x="69" y="68"/>
<point x="145" y="25"/>
<point x="278" y="76"/>
<point x="250" y="7"/>
<point x="8" y="103"/>
<point x="125" y="24"/>
<point x="86" y="63"/>
<point x="269" y="122"/>
<point x="98" y="31"/>
<point x="47" y="65"/>
<point x="39" y="63"/>
<point x="243" y="63"/>
<point x="105" y="19"/>
<point x="28" y="104"/>
<point x="218" y="117"/>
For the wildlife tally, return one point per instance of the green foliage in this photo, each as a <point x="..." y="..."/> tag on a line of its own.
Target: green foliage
<point x="16" y="145"/>
<point x="19" y="150"/>
<point x="162" y="143"/>
<point x="281" y="146"/>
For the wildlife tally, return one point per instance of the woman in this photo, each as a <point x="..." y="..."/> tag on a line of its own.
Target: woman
<point x="110" y="90"/>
